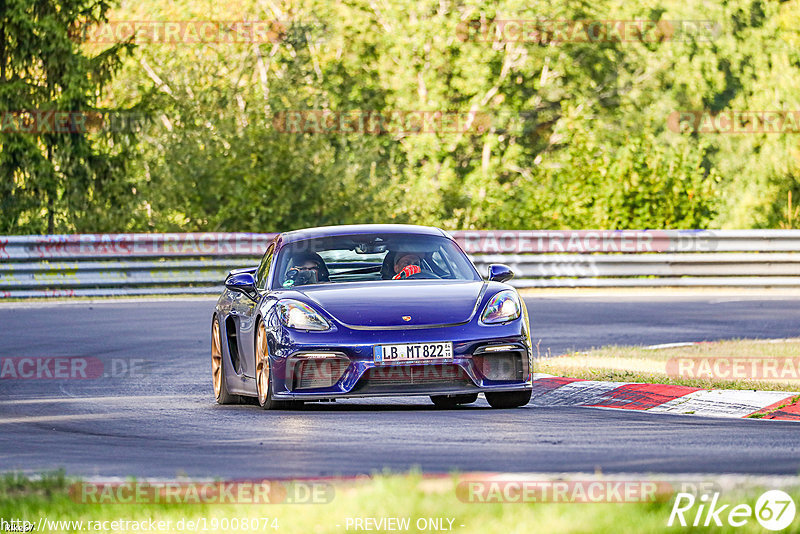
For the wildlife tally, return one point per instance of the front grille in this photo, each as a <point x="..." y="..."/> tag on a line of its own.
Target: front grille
<point x="405" y="375"/>
<point x="500" y="366"/>
<point x="318" y="373"/>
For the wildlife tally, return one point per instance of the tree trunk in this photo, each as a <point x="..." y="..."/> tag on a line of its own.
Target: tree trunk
<point x="50" y="197"/>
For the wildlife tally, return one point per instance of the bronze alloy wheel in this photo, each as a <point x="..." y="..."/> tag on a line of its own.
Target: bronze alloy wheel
<point x="218" y="368"/>
<point x="264" y="375"/>
<point x="262" y="368"/>
<point x="216" y="359"/>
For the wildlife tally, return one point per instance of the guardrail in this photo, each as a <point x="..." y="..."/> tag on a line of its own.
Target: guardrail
<point x="146" y="264"/>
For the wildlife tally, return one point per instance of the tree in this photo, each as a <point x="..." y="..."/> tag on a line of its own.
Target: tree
<point x="578" y="130"/>
<point x="57" y="171"/>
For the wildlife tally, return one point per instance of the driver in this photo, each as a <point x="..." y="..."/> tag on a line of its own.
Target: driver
<point x="308" y="268"/>
<point x="406" y="264"/>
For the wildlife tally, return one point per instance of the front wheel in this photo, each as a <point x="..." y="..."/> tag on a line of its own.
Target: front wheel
<point x="451" y="401"/>
<point x="508" y="399"/>
<point x="221" y="393"/>
<point x="264" y="375"/>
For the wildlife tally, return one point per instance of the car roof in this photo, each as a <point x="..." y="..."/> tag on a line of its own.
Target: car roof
<point x="354" y="229"/>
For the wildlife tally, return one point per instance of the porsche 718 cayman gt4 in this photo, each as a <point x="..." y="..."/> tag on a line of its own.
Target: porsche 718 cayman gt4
<point x="365" y="311"/>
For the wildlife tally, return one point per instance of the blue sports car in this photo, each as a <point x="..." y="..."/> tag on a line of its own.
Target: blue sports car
<point x="367" y="311"/>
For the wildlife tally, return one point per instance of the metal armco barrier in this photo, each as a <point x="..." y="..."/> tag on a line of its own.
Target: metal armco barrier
<point x="148" y="264"/>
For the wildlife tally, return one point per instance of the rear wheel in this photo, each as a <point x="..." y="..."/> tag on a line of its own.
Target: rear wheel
<point x="218" y="368"/>
<point x="508" y="399"/>
<point x="264" y="375"/>
<point x="451" y="401"/>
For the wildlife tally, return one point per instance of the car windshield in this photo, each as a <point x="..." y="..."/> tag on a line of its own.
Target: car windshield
<point x="368" y="257"/>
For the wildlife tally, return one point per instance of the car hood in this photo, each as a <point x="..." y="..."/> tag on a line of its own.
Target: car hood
<point x="385" y="303"/>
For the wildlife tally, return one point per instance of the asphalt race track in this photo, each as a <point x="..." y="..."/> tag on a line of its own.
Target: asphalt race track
<point x="161" y="420"/>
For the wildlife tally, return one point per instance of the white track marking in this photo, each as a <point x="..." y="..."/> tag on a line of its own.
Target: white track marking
<point x="722" y="402"/>
<point x="578" y="393"/>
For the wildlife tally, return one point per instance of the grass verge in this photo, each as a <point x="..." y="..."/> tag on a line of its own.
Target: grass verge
<point x="409" y="496"/>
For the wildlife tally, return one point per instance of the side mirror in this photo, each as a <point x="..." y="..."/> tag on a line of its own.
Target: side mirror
<point x="500" y="273"/>
<point x="243" y="282"/>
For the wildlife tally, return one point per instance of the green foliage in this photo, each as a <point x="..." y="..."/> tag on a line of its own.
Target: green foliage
<point x="68" y="180"/>
<point x="575" y="133"/>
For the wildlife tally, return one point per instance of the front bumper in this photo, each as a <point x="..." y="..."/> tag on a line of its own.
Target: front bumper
<point x="340" y="363"/>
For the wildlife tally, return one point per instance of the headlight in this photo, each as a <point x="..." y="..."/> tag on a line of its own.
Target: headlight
<point x="295" y="314"/>
<point x="501" y="308"/>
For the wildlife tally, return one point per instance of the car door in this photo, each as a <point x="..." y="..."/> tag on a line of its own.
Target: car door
<point x="245" y="309"/>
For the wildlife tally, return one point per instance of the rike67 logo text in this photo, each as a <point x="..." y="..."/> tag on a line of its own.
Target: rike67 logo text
<point x="774" y="510"/>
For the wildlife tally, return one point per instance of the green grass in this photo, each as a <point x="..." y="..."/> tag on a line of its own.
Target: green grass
<point x="410" y="495"/>
<point x="763" y="414"/>
<point x="638" y="364"/>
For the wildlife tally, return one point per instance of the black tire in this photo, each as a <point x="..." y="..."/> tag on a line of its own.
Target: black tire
<point x="264" y="381"/>
<point x="451" y="401"/>
<point x="264" y="376"/>
<point x="508" y="399"/>
<point x="221" y="393"/>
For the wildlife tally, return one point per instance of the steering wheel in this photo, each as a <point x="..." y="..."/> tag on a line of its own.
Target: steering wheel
<point x="424" y="274"/>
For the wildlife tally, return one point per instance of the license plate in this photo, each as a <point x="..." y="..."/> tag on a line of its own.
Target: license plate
<point x="413" y="352"/>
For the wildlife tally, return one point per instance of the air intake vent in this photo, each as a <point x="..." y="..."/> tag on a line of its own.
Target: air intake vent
<point x="319" y="373"/>
<point x="396" y="375"/>
<point x="501" y="366"/>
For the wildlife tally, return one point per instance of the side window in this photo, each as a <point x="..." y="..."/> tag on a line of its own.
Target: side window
<point x="263" y="269"/>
